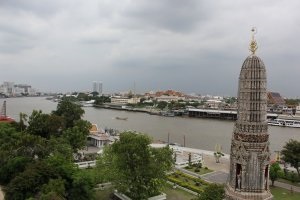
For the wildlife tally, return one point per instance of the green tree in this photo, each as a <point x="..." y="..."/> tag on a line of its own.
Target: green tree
<point x="54" y="190"/>
<point x="28" y="183"/>
<point x="291" y="154"/>
<point x="162" y="104"/>
<point x="274" y="172"/>
<point x="82" y="187"/>
<point x="137" y="169"/>
<point x="95" y="94"/>
<point x="12" y="168"/>
<point x="213" y="192"/>
<point x="37" y="124"/>
<point x="23" y="119"/>
<point x="55" y="125"/>
<point x="76" y="138"/>
<point x="101" y="100"/>
<point x="70" y="111"/>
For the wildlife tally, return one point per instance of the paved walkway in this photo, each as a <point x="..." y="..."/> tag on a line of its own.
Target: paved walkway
<point x="1" y="194"/>
<point x="221" y="169"/>
<point x="286" y="186"/>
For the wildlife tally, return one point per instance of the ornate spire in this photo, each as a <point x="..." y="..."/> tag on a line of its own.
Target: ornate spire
<point x="253" y="45"/>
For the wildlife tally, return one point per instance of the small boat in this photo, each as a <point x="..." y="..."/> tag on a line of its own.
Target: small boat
<point x="168" y="114"/>
<point x="122" y="118"/>
<point x="284" y="123"/>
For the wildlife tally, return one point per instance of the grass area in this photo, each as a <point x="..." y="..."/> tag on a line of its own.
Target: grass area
<point x="203" y="170"/>
<point x="187" y="181"/>
<point x="177" y="194"/>
<point x="104" y="194"/>
<point x="284" y="194"/>
<point x="172" y="194"/>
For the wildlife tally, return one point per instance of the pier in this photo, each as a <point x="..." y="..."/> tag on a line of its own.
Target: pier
<point x="219" y="114"/>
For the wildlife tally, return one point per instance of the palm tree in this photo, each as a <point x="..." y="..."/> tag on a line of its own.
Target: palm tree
<point x="23" y="119"/>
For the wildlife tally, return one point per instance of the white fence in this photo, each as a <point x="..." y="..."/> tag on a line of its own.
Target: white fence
<point x="86" y="164"/>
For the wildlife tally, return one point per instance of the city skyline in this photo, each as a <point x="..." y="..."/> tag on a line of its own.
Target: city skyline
<point x="188" y="46"/>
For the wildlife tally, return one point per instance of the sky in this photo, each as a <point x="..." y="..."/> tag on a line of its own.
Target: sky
<point x="186" y="45"/>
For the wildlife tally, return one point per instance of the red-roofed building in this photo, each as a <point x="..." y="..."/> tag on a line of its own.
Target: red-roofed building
<point x="275" y="99"/>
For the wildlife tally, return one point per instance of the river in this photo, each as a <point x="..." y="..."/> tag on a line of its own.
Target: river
<point x="199" y="133"/>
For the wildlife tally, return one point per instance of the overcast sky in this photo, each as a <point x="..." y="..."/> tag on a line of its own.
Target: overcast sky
<point x="186" y="45"/>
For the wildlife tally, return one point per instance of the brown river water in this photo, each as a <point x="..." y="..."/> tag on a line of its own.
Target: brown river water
<point x="198" y="133"/>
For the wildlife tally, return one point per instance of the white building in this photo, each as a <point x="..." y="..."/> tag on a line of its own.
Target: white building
<point x="117" y="100"/>
<point x="98" y="137"/>
<point x="168" y="98"/>
<point x="8" y="88"/>
<point x="12" y="89"/>
<point x="298" y="109"/>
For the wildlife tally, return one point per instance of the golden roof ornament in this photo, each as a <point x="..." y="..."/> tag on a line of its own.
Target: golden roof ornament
<point x="253" y="45"/>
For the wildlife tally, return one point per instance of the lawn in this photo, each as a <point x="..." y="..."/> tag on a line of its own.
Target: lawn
<point x="177" y="194"/>
<point x="172" y="194"/>
<point x="284" y="194"/>
<point x="187" y="181"/>
<point x="104" y="194"/>
<point x="203" y="170"/>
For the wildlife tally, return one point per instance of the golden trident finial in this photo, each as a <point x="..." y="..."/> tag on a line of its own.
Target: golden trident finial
<point x="253" y="45"/>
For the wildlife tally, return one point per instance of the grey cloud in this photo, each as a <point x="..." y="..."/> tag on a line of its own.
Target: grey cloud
<point x="172" y="15"/>
<point x="188" y="45"/>
<point x="39" y="7"/>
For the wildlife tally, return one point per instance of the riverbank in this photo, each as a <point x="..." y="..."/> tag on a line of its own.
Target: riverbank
<point x="142" y="110"/>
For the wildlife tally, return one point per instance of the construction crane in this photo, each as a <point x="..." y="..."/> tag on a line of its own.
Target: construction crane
<point x="3" y="116"/>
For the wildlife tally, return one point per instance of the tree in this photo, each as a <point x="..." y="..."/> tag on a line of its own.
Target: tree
<point x="162" y="104"/>
<point x="76" y="138"/>
<point x="213" y="192"/>
<point x="37" y="124"/>
<point x="12" y="168"/>
<point x="54" y="190"/>
<point x="137" y="169"/>
<point x="274" y="172"/>
<point x="95" y="93"/>
<point x="291" y="154"/>
<point x="82" y="187"/>
<point x="28" y="183"/>
<point x="23" y="119"/>
<point x="70" y="111"/>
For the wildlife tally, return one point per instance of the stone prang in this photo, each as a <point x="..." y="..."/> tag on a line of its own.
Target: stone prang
<point x="250" y="154"/>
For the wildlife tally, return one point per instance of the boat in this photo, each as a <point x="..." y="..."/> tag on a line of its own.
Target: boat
<point x="284" y="123"/>
<point x="87" y="103"/>
<point x="168" y="114"/>
<point x="122" y="118"/>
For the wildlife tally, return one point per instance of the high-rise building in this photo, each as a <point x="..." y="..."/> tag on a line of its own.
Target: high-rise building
<point x="97" y="87"/>
<point x="250" y="154"/>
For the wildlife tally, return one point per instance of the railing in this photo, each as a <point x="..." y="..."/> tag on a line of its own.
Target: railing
<point x="86" y="164"/>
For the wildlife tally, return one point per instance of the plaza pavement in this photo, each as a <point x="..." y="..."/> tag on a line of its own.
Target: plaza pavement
<point x="220" y="170"/>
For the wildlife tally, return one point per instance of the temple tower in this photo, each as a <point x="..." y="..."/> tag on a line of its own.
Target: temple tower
<point x="250" y="154"/>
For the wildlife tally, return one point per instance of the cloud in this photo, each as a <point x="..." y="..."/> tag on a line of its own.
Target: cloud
<point x="173" y="44"/>
<point x="170" y="15"/>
